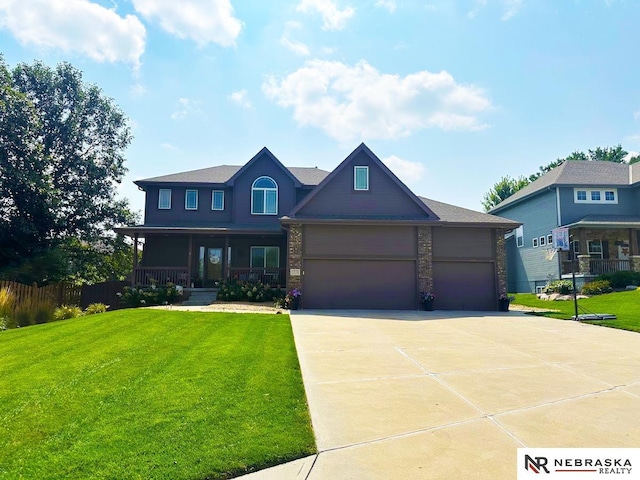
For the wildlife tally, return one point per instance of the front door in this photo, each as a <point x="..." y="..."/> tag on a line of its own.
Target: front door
<point x="209" y="266"/>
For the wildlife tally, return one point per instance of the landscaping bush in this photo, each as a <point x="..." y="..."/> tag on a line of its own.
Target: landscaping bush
<point x="597" y="287"/>
<point x="621" y="279"/>
<point x="66" y="312"/>
<point x="563" y="287"/>
<point x="7" y="300"/>
<point x="153" y="295"/>
<point x="251" y="291"/>
<point x="94" y="308"/>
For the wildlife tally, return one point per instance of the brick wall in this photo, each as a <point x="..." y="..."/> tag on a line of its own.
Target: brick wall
<point x="294" y="244"/>
<point x="501" y="262"/>
<point x="425" y="259"/>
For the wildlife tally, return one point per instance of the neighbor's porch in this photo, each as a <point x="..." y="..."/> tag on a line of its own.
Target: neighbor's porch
<point x="204" y="260"/>
<point x="601" y="250"/>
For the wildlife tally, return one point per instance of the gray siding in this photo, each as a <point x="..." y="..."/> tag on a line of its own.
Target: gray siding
<point x="527" y="266"/>
<point x="179" y="217"/>
<point x="572" y="212"/>
<point x="384" y="196"/>
<point x="161" y="251"/>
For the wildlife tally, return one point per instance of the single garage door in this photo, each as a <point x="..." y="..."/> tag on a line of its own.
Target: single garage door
<point x="464" y="285"/>
<point x="360" y="284"/>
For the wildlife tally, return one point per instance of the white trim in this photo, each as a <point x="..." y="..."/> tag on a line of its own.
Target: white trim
<point x="264" y="193"/>
<point x="519" y="236"/>
<point x="550" y="239"/>
<point x="160" y="206"/>
<point x="558" y="211"/>
<point x="543" y="241"/>
<point x="186" y="196"/>
<point x="213" y="195"/>
<point x="355" y="176"/>
<point x="600" y="191"/>
<point x="534" y="242"/>
<point x="264" y="265"/>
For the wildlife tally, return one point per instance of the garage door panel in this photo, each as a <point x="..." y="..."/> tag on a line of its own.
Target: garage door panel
<point x="464" y="285"/>
<point x="360" y="284"/>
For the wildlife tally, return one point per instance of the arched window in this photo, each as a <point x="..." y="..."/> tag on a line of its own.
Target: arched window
<point x="264" y="196"/>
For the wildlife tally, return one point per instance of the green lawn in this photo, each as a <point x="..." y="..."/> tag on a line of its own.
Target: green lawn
<point x="151" y="394"/>
<point x="625" y="305"/>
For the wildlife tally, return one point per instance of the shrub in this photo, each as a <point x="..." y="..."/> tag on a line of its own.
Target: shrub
<point x="145" y="296"/>
<point x="94" y="308"/>
<point x="43" y="312"/>
<point x="251" y="291"/>
<point x="597" y="287"/>
<point x="621" y="279"/>
<point x="7" y="300"/>
<point x="563" y="287"/>
<point x="66" y="312"/>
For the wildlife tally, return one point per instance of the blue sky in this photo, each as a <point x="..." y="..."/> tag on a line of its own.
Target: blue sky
<point x="450" y="94"/>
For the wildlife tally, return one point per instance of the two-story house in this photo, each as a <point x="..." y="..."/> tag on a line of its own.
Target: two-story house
<point x="353" y="238"/>
<point x="599" y="202"/>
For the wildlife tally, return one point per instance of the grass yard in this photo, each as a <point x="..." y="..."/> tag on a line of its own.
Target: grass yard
<point x="625" y="305"/>
<point x="151" y="394"/>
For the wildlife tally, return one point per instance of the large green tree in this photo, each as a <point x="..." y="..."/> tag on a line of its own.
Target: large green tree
<point x="62" y="145"/>
<point x="507" y="186"/>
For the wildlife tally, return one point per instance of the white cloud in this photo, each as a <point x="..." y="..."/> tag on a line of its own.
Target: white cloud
<point x="184" y="108"/>
<point x="137" y="90"/>
<point x="359" y="102"/>
<point x="75" y="26"/>
<point x="479" y="5"/>
<point x="203" y="21"/>
<point x="388" y="4"/>
<point x="407" y="171"/>
<point x="241" y="97"/>
<point x="511" y="8"/>
<point x="296" y="47"/>
<point x="332" y="17"/>
<point x="171" y="148"/>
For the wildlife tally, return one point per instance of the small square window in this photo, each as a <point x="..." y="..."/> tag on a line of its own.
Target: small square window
<point x="581" y="195"/>
<point x="520" y="236"/>
<point x="217" y="200"/>
<point x="191" y="200"/>
<point x="610" y="196"/>
<point x="361" y="178"/>
<point x="549" y="239"/>
<point x="595" y="195"/>
<point x="164" y="199"/>
<point x="543" y="241"/>
<point x="535" y="243"/>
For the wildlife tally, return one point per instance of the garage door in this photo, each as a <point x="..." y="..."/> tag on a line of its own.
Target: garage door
<point x="360" y="284"/>
<point x="464" y="286"/>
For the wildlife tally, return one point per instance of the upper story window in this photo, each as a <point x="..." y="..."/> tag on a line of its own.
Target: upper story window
<point x="191" y="200"/>
<point x="520" y="236"/>
<point x="164" y="199"/>
<point x="361" y="178"/>
<point x="595" y="195"/>
<point x="264" y="196"/>
<point x="217" y="200"/>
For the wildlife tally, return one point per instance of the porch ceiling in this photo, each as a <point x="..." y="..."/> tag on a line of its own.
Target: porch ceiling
<point x="607" y="221"/>
<point x="142" y="230"/>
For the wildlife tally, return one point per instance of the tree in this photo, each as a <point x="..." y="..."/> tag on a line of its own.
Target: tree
<point x="508" y="186"/>
<point x="62" y="148"/>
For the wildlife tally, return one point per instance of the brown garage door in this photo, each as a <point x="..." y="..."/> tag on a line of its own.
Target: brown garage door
<point x="360" y="284"/>
<point x="464" y="286"/>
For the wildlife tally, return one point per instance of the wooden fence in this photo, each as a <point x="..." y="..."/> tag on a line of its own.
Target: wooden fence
<point x="67" y="294"/>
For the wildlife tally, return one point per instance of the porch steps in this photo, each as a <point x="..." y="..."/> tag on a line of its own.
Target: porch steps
<point x="200" y="296"/>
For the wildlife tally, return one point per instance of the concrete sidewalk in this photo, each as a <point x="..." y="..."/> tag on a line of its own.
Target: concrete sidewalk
<point x="430" y="395"/>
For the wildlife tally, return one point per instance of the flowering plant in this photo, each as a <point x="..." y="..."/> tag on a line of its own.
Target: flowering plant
<point x="294" y="293"/>
<point x="427" y="297"/>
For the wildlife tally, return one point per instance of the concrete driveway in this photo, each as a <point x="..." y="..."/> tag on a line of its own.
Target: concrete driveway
<point x="429" y="395"/>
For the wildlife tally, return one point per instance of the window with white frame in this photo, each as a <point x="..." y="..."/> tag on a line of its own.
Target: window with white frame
<point x="550" y="239"/>
<point x="264" y="196"/>
<point x="595" y="195"/>
<point x="520" y="236"/>
<point x="191" y="200"/>
<point x="217" y="200"/>
<point x="535" y="242"/>
<point x="265" y="257"/>
<point x="164" y="199"/>
<point x="361" y="178"/>
<point x="595" y="248"/>
<point x="543" y="241"/>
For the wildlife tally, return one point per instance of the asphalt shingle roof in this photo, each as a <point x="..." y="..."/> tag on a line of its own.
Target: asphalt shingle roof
<point x="578" y="173"/>
<point x="452" y="214"/>
<point x="220" y="174"/>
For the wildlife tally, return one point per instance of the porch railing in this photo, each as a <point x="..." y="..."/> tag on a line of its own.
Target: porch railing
<point x="161" y="275"/>
<point x="599" y="266"/>
<point x="268" y="276"/>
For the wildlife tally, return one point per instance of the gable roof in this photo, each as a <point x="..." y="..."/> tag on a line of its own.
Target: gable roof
<point x="457" y="215"/>
<point x="222" y="174"/>
<point x="577" y="173"/>
<point x="363" y="148"/>
<point x="256" y="157"/>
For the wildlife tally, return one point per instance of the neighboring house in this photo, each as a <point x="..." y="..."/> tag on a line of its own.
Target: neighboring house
<point x="353" y="238"/>
<point x="599" y="202"/>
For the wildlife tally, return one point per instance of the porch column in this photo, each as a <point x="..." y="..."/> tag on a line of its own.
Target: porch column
<point x="582" y="235"/>
<point x="633" y="242"/>
<point x="425" y="259"/>
<point x="225" y="267"/>
<point x="584" y="264"/>
<point x="190" y="258"/>
<point x="634" y="263"/>
<point x="501" y="261"/>
<point x="294" y="257"/>
<point x="135" y="259"/>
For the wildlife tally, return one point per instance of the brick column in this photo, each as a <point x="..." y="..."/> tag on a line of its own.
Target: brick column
<point x="634" y="263"/>
<point x="501" y="262"/>
<point x="294" y="258"/>
<point x="584" y="266"/>
<point x="425" y="259"/>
